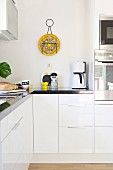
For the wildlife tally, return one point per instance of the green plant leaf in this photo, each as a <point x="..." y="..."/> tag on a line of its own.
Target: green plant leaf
<point x="5" y="69"/>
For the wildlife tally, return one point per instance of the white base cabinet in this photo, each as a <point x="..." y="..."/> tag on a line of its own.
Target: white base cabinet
<point x="76" y="123"/>
<point x="104" y="128"/>
<point x="17" y="144"/>
<point x="45" y="123"/>
<point x="63" y="124"/>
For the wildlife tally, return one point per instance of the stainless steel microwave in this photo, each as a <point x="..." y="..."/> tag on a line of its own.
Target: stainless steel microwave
<point x="106" y="32"/>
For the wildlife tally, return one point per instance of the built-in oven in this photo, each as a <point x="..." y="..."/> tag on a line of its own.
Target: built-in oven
<point x="103" y="74"/>
<point x="106" y="32"/>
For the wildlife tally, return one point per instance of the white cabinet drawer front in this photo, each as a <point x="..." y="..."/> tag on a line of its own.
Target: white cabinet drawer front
<point x="12" y="146"/>
<point x="103" y="140"/>
<point x="16" y="142"/>
<point x="104" y="115"/>
<point x="14" y="117"/>
<point x="76" y="116"/>
<point x="3" y="128"/>
<point x="8" y="164"/>
<point x="74" y="99"/>
<point x="76" y="140"/>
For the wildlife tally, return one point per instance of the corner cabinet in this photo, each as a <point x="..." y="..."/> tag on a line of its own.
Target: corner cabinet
<point x="76" y="123"/>
<point x="45" y="123"/>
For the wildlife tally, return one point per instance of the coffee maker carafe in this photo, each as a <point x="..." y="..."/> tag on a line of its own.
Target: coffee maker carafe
<point x="79" y="75"/>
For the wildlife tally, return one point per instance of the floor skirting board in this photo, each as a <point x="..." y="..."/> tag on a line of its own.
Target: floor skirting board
<point x="72" y="158"/>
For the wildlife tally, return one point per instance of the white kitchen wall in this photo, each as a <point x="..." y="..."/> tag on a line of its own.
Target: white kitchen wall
<point x="73" y="25"/>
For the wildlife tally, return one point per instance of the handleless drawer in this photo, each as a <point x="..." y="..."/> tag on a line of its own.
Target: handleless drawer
<point x="76" y="140"/>
<point x="73" y="116"/>
<point x="76" y="99"/>
<point x="104" y="115"/>
<point x="3" y="129"/>
<point x="14" y="117"/>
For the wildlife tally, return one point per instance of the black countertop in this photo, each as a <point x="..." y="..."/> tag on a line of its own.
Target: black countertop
<point x="63" y="91"/>
<point x="11" y="103"/>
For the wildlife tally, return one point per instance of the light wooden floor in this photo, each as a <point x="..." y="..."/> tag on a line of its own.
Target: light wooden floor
<point x="71" y="167"/>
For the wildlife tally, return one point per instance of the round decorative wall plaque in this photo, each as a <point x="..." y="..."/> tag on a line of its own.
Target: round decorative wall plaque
<point x="49" y="44"/>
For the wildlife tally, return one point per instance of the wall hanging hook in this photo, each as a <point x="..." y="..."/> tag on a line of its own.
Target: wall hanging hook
<point x="49" y="23"/>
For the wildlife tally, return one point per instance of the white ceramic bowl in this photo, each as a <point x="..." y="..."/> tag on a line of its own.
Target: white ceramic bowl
<point x="25" y="86"/>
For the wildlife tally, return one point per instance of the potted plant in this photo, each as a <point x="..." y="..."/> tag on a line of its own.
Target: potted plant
<point x="5" y="69"/>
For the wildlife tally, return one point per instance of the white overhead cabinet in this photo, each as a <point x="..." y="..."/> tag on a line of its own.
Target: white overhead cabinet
<point x="45" y="123"/>
<point x="76" y="123"/>
<point x="104" y="128"/>
<point x="8" y="20"/>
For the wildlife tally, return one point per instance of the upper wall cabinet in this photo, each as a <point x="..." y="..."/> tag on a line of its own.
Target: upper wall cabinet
<point x="8" y="20"/>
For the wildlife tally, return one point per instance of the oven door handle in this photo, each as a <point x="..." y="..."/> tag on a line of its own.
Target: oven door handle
<point x="105" y="62"/>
